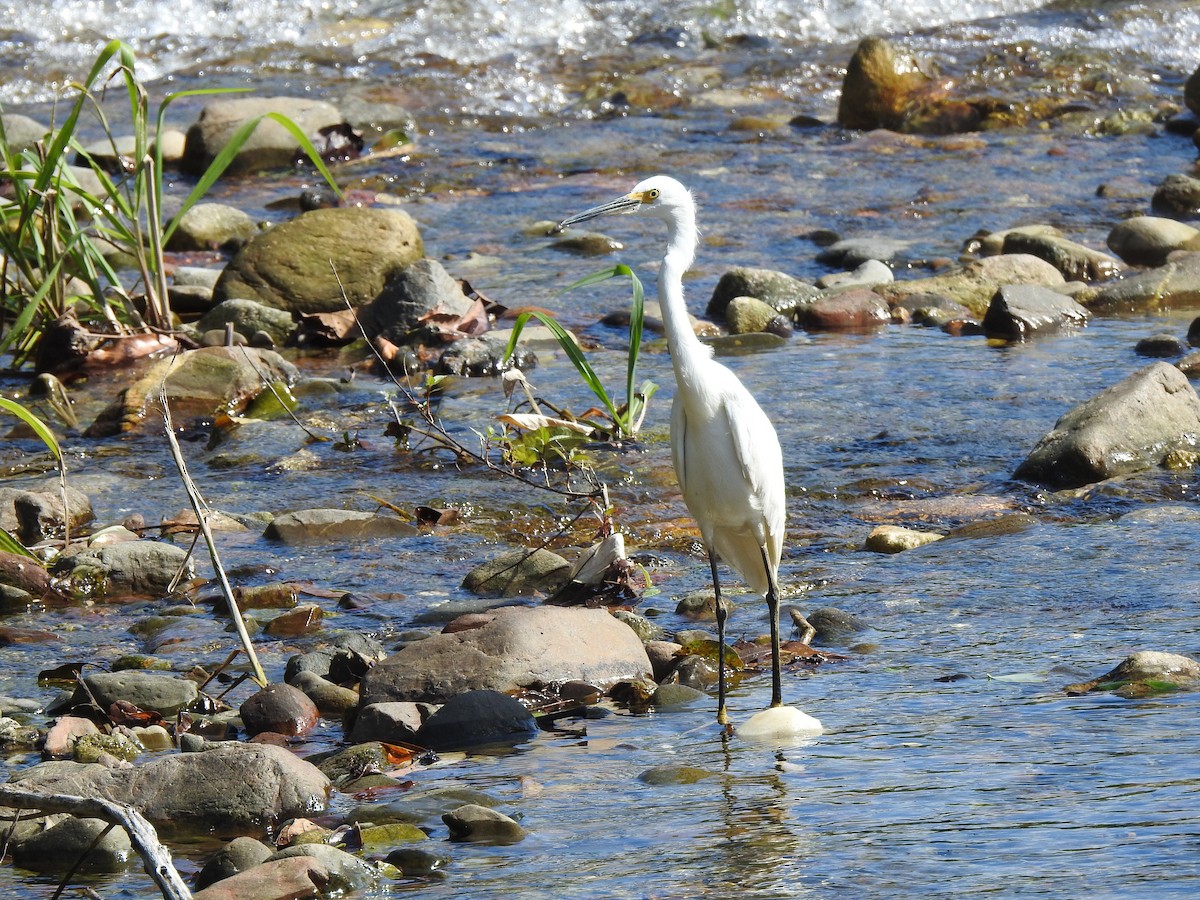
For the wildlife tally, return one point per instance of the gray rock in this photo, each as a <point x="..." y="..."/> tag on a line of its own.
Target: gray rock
<point x="334" y="525"/>
<point x="347" y="873"/>
<point x="143" y="567"/>
<point x="478" y="823"/>
<point x="228" y="787"/>
<point x="212" y="226"/>
<point x="22" y="132"/>
<point x="410" y="295"/>
<point x="519" y="572"/>
<point x="480" y="358"/>
<point x="518" y="647"/>
<point x="161" y="693"/>
<point x="417" y="862"/>
<point x="271" y="145"/>
<point x="1130" y="426"/>
<point x="974" y="285"/>
<point x="663" y="656"/>
<point x="390" y="722"/>
<point x="196" y="276"/>
<point x="238" y="855"/>
<point x="645" y="629"/>
<point x="833" y="624"/>
<point x="850" y="253"/>
<point x="1074" y="261"/>
<point x="282" y="878"/>
<point x="675" y="696"/>
<point x="1174" y="284"/>
<point x="783" y="292"/>
<point x="1147" y="240"/>
<point x="1164" y="346"/>
<point x="746" y="315"/>
<point x="189" y="299"/>
<point x="59" y="847"/>
<point x="867" y="274"/>
<point x="288" y="267"/>
<point x="1178" y="195"/>
<point x="36" y="515"/>
<point x="248" y="318"/>
<point x="992" y="243"/>
<point x="198" y="383"/>
<point x="1018" y="311"/>
<point x="477" y="718"/>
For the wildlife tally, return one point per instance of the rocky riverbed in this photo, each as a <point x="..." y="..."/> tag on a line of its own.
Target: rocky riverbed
<point x="973" y="324"/>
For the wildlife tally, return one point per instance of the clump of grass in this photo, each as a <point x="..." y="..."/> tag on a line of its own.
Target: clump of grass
<point x="58" y="238"/>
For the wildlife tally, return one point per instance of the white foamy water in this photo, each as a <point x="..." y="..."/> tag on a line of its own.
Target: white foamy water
<point x="50" y="42"/>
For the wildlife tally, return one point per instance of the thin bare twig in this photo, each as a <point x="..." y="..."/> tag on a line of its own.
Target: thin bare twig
<point x="155" y="857"/>
<point x="201" y="510"/>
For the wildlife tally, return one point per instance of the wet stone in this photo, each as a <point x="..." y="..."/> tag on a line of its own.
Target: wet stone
<point x="347" y="873"/>
<point x="895" y="539"/>
<point x="479" y="823"/>
<point x="833" y="624"/>
<point x="1144" y="673"/>
<point x="238" y="855"/>
<point x="477" y="718"/>
<point x="669" y="774"/>
<point x="777" y="289"/>
<point x="675" y="696"/>
<point x="332" y="525"/>
<point x="519" y="572"/>
<point x="59" y="847"/>
<point x="1148" y="240"/>
<point x="296" y="877"/>
<point x="1162" y="346"/>
<point x="417" y="862"/>
<point x="852" y="308"/>
<point x="332" y="700"/>
<point x="1178" y="196"/>
<point x="164" y="694"/>
<point x="280" y="709"/>
<point x="94" y="747"/>
<point x="1019" y="311"/>
<point x="393" y="722"/>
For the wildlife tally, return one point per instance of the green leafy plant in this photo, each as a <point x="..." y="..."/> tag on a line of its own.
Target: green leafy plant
<point x="56" y="235"/>
<point x="625" y="418"/>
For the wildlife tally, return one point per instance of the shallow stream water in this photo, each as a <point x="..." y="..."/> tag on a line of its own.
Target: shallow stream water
<point x="996" y="783"/>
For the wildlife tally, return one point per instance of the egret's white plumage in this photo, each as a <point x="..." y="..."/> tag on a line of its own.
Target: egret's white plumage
<point x="726" y="453"/>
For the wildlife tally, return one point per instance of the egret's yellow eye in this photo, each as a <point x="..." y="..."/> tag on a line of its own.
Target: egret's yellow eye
<point x="652" y="194"/>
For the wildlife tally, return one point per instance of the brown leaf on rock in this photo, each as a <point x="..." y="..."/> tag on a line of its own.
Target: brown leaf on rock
<point x="122" y="712"/>
<point x="335" y="327"/>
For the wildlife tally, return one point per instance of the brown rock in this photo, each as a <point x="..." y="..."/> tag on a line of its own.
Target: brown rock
<point x="279" y="708"/>
<point x="854" y="308"/>
<point x="882" y="84"/>
<point x="294" y="878"/>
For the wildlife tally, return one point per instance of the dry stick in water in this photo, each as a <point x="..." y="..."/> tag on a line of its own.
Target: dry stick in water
<point x="201" y="510"/>
<point x="142" y="835"/>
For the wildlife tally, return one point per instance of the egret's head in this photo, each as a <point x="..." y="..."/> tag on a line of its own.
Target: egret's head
<point x="659" y="196"/>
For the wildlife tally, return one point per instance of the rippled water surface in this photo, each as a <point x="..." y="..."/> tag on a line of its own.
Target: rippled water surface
<point x="990" y="783"/>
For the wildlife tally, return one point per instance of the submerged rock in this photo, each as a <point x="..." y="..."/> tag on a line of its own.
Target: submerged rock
<point x="1075" y="261"/>
<point x="72" y="840"/>
<point x="849" y="309"/>
<point x="199" y="383"/>
<point x="478" y="823"/>
<point x="238" y="855"/>
<point x="1130" y="426"/>
<point x="519" y="572"/>
<point x="334" y="525"/>
<point x="1142" y="673"/>
<point x="518" y="647"/>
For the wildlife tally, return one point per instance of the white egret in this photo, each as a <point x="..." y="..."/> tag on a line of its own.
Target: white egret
<point x="726" y="453"/>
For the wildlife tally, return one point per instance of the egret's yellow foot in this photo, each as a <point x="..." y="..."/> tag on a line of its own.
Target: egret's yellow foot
<point x="779" y="723"/>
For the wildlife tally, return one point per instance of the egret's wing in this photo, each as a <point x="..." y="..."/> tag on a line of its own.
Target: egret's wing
<point x="760" y="461"/>
<point x="678" y="442"/>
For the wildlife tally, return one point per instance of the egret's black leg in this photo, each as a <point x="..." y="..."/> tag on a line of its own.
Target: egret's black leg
<point x="773" y="611"/>
<point x="722" y="715"/>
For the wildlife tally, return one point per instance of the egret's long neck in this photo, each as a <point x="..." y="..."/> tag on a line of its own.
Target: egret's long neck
<point x="681" y="250"/>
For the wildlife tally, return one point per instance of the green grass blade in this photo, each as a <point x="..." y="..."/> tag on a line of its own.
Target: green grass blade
<point x="574" y="354"/>
<point x="10" y="544"/>
<point x="40" y="428"/>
